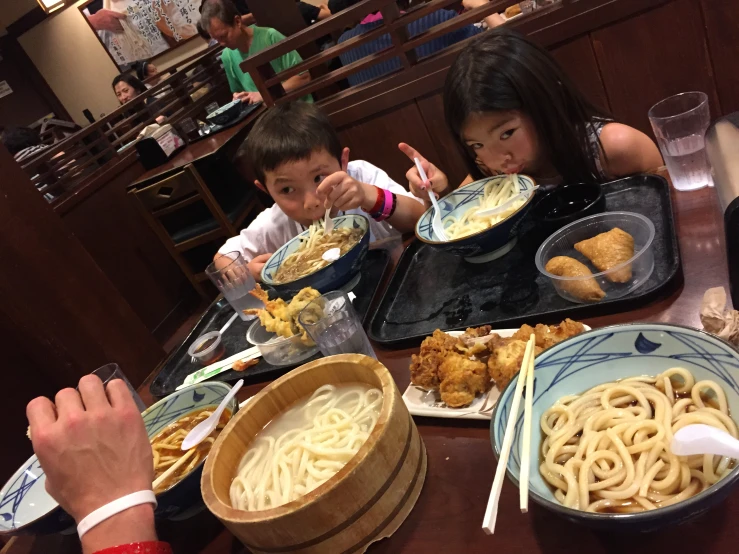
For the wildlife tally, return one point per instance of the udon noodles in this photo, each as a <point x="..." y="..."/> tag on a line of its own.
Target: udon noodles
<point x="308" y="258"/>
<point x="608" y="449"/>
<point x="305" y="446"/>
<point x="494" y="194"/>
<point x="167" y="447"/>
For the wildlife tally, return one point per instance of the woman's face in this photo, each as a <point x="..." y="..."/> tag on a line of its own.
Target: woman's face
<point x="125" y="92"/>
<point x="503" y="142"/>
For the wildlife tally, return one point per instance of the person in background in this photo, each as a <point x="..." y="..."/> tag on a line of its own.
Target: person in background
<point x="414" y="28"/>
<point x="222" y="21"/>
<point x="145" y="70"/>
<point x="93" y="447"/>
<point x="312" y="14"/>
<point x="513" y="110"/>
<point x="298" y="159"/>
<point x="127" y="87"/>
<point x="23" y="143"/>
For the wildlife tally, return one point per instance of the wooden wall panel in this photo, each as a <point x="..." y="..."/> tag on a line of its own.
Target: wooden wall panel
<point x="722" y="29"/>
<point x="577" y="58"/>
<point x="654" y="55"/>
<point x="449" y="159"/>
<point x="123" y="245"/>
<point x="376" y="139"/>
<point x="60" y="316"/>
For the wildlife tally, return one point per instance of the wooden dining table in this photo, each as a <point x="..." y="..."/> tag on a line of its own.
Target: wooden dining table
<point x="449" y="511"/>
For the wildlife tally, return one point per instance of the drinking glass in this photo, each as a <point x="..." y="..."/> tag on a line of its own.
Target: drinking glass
<point x="188" y="128"/>
<point x="210" y="108"/>
<point x="334" y="326"/>
<point x="108" y="372"/>
<point x="231" y="276"/>
<point x="680" y="123"/>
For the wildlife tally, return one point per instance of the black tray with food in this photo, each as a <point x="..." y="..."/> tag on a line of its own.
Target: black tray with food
<point x="179" y="364"/>
<point x="432" y="289"/>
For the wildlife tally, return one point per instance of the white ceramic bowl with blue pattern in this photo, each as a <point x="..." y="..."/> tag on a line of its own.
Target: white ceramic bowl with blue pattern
<point x="609" y="354"/>
<point x="26" y="507"/>
<point x="483" y="246"/>
<point x="328" y="278"/>
<point x="185" y="494"/>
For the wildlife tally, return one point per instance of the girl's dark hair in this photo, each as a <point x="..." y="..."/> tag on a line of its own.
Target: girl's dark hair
<point x="224" y="11"/>
<point x="288" y="133"/>
<point x="502" y="70"/>
<point x="131" y="81"/>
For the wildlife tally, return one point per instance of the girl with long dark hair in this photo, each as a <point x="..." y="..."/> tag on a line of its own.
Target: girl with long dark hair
<point x="513" y="110"/>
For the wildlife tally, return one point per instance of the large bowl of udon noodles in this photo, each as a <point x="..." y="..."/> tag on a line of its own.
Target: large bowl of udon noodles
<point x="605" y="407"/>
<point x="299" y="263"/>
<point x="324" y="459"/>
<point x="480" y="239"/>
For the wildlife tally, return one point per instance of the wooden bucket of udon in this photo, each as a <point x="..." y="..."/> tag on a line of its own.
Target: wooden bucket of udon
<point x="365" y="501"/>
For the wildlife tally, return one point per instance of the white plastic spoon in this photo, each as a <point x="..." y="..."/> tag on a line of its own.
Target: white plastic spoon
<point x="205" y="428"/>
<point x="332" y="254"/>
<point x="704" y="439"/>
<point x="505" y="205"/>
<point x="436" y="224"/>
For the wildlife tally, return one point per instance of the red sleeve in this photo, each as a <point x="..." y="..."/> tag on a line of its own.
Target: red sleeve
<point x="152" y="547"/>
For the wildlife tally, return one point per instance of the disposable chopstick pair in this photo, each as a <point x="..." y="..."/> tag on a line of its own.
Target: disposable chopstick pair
<point x="525" y="377"/>
<point x="220" y="366"/>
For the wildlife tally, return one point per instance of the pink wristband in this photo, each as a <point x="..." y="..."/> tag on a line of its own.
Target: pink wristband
<point x="388" y="206"/>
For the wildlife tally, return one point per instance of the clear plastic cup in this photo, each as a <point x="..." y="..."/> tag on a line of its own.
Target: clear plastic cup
<point x="334" y="326"/>
<point x="680" y="123"/>
<point x="231" y="276"/>
<point x="111" y="371"/>
<point x="208" y="348"/>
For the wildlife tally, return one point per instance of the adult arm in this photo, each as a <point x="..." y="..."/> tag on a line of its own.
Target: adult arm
<point x="628" y="151"/>
<point x="492" y="20"/>
<point x="94" y="449"/>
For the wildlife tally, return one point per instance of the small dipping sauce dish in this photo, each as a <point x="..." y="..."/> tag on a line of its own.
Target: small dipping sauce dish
<point x="207" y="348"/>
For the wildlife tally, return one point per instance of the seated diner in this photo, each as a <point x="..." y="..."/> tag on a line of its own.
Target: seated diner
<point x="482" y="302"/>
<point x="222" y="21"/>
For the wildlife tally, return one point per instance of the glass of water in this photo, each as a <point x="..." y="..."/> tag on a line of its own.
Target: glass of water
<point x="230" y="274"/>
<point x="680" y="123"/>
<point x="109" y="372"/>
<point x="334" y="326"/>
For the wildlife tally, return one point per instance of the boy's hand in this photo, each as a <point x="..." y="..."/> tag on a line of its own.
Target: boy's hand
<point x="256" y="264"/>
<point x="439" y="181"/>
<point x="343" y="192"/>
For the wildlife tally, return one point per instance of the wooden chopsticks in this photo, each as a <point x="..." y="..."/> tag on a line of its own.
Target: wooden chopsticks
<point x="525" y="376"/>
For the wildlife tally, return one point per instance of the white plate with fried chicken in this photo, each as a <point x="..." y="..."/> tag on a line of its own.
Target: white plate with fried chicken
<point x="460" y="374"/>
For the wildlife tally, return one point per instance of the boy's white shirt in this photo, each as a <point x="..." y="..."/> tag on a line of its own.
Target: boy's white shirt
<point x="272" y="228"/>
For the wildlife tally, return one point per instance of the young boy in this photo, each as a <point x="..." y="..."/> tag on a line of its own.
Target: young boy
<point x="297" y="157"/>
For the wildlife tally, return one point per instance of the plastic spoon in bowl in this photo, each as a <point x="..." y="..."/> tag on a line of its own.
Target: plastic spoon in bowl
<point x="436" y="224"/>
<point x="704" y="439"/>
<point x="328" y="223"/>
<point x="205" y="428"/>
<point x="505" y="205"/>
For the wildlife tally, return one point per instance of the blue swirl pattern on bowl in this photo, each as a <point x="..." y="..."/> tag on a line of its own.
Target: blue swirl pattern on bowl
<point x="458" y="202"/>
<point x="605" y="355"/>
<point x="328" y="278"/>
<point x="26" y="507"/>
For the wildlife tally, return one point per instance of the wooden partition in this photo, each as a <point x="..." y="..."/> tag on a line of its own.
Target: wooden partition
<point x="625" y="55"/>
<point x="63" y="169"/>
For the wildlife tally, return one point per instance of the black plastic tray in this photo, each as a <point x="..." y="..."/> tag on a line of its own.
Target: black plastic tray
<point x="246" y="109"/>
<point x="179" y="364"/>
<point x="431" y="289"/>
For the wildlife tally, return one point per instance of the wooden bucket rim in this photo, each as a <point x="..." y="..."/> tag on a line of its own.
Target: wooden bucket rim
<point x="226" y="513"/>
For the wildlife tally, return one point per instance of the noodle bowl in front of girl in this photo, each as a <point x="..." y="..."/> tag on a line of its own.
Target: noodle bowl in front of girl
<point x="480" y="238"/>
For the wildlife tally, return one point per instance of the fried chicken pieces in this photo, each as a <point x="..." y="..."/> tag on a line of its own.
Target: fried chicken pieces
<point x="460" y="368"/>
<point x="281" y="317"/>
<point x="444" y="364"/>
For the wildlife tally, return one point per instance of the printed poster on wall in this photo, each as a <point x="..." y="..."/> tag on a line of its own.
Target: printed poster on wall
<point x="133" y="30"/>
<point x="5" y="89"/>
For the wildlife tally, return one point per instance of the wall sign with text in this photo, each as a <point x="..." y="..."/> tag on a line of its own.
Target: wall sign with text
<point x="133" y="30"/>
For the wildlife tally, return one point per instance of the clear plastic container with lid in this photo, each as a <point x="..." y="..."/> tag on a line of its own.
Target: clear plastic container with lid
<point x="562" y="243"/>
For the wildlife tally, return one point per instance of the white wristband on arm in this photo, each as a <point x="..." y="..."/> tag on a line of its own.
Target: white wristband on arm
<point x="114" y="508"/>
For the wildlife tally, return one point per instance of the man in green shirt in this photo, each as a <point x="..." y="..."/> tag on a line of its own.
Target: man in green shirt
<point x="221" y="20"/>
